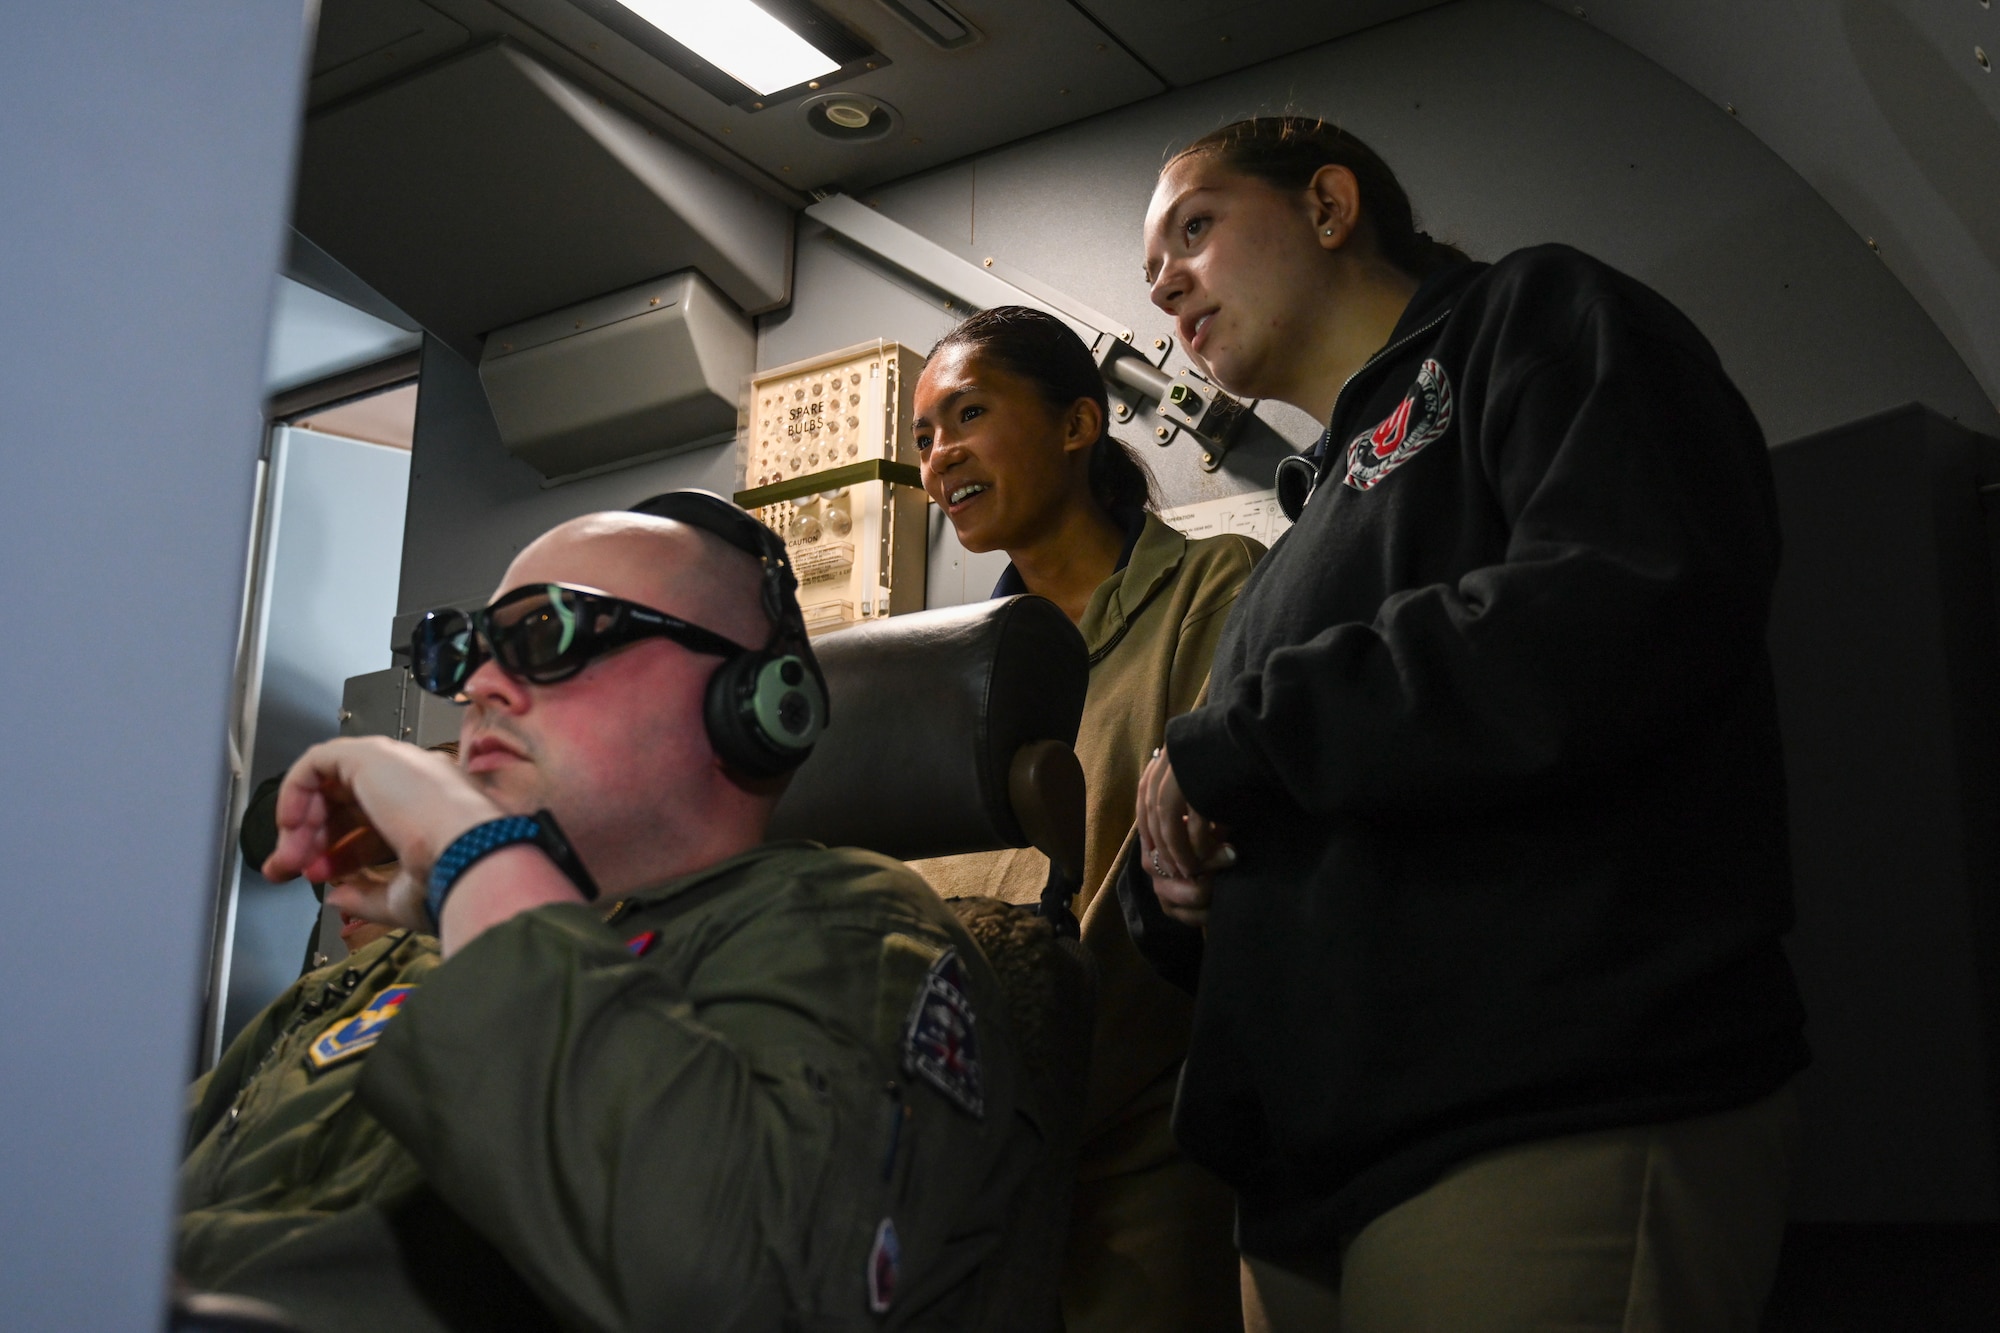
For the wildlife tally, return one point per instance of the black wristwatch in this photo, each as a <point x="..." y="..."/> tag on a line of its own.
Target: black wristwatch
<point x="468" y="848"/>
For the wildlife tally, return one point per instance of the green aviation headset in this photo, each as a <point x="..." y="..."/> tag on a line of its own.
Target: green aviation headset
<point x="765" y="707"/>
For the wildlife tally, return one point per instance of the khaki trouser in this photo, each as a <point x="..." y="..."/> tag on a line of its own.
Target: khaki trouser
<point x="1152" y="1245"/>
<point x="1670" y="1228"/>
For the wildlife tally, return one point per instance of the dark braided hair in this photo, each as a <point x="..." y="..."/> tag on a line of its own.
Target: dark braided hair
<point x="1286" y="151"/>
<point x="1044" y="351"/>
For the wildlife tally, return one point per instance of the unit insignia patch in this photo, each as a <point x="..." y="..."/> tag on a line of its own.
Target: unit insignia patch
<point x="358" y="1033"/>
<point x="1422" y="416"/>
<point x="642" y="944"/>
<point x="885" y="1265"/>
<point x="940" y="1042"/>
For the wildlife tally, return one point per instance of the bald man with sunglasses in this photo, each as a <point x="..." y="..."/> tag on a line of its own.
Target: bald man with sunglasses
<point x="668" y="1074"/>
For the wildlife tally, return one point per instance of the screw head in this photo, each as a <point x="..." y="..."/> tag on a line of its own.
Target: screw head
<point x="1159" y="344"/>
<point x="1161" y="432"/>
<point x="1208" y="460"/>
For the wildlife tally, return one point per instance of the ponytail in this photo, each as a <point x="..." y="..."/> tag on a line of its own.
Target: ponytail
<point x="1042" y="350"/>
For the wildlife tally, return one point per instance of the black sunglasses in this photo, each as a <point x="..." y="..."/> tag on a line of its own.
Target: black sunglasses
<point x="544" y="632"/>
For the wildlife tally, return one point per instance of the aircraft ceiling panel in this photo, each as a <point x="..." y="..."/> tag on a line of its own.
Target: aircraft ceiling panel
<point x="1883" y="106"/>
<point x="363" y="42"/>
<point x="1186" y="41"/>
<point x="1039" y="64"/>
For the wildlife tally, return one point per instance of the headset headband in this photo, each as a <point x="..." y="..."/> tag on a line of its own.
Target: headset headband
<point x="715" y="515"/>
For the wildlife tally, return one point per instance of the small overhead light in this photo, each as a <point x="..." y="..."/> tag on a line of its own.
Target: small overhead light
<point x="848" y="114"/>
<point x="740" y="39"/>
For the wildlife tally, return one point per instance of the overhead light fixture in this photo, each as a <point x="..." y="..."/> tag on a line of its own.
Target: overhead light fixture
<point x="749" y="53"/>
<point x="739" y="39"/>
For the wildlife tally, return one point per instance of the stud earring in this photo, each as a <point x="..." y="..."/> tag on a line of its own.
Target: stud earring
<point x="1327" y="232"/>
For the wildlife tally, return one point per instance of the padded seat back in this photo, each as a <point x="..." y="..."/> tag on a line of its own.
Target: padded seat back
<point x="951" y="732"/>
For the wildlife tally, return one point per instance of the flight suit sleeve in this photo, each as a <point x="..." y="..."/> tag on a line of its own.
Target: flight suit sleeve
<point x="636" y="1167"/>
<point x="1222" y="577"/>
<point x="1631" y="599"/>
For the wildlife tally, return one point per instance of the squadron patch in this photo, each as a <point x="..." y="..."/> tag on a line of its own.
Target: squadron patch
<point x="358" y="1033"/>
<point x="940" y="1043"/>
<point x="1422" y="416"/>
<point x="885" y="1265"/>
<point x="642" y="944"/>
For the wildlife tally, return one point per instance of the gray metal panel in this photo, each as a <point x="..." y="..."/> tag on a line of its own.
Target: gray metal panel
<point x="1510" y="125"/>
<point x="146" y="161"/>
<point x="488" y="189"/>
<point x="363" y="42"/>
<point x="1883" y="107"/>
<point x="1042" y="63"/>
<point x="371" y="704"/>
<point x="656" y="367"/>
<point x="473" y="505"/>
<point x="1190" y="40"/>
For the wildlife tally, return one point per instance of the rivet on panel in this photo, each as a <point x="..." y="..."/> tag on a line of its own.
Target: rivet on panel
<point x="1872" y="246"/>
<point x="1979" y="54"/>
<point x="1125" y="334"/>
<point x="1161" y="432"/>
<point x="1730" y="107"/>
<point x="989" y="261"/>
<point x="1159" y="344"/>
<point x="813" y="84"/>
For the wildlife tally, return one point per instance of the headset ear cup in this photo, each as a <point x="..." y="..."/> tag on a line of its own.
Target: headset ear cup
<point x="763" y="711"/>
<point x="728" y="729"/>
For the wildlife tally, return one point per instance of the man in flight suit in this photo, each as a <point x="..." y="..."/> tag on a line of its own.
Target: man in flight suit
<point x="751" y="1086"/>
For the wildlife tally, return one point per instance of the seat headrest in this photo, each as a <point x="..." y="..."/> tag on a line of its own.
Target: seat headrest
<point x="929" y="710"/>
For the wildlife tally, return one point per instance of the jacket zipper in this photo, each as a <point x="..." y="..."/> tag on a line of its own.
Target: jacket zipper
<point x="1359" y="371"/>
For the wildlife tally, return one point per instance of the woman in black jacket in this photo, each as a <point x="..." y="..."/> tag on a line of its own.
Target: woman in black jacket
<point x="1484" y="817"/>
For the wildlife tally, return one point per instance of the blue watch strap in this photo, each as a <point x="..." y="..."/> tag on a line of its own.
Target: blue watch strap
<point x="468" y="847"/>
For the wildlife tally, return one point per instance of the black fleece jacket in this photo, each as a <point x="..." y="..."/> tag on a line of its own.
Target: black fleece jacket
<point x="1493" y="730"/>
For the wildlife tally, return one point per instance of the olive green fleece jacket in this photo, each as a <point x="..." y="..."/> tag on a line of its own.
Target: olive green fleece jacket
<point x="1151" y="629"/>
<point x="691" y="1110"/>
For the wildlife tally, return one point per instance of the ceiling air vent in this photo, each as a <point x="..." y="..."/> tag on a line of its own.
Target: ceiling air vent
<point x="938" y="23"/>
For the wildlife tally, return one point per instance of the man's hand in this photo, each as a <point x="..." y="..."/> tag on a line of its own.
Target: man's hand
<point x="1177" y="845"/>
<point x="354" y="802"/>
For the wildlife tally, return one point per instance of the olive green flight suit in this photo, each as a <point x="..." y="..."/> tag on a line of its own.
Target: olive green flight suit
<point x="719" y="1106"/>
<point x="275" y="1138"/>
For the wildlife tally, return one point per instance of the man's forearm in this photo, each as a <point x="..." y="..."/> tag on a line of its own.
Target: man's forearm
<point x="497" y="887"/>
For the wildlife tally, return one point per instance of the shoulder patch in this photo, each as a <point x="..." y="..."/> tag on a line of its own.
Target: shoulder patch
<point x="941" y="1039"/>
<point x="642" y="944"/>
<point x="885" y="1265"/>
<point x="1422" y="416"/>
<point x="357" y="1034"/>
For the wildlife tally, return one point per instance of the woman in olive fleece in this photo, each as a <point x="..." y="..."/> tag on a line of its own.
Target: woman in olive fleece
<point x="1493" y="1027"/>
<point x="1010" y="432"/>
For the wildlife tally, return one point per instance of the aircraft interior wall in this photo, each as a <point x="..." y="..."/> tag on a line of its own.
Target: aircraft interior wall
<point x="1574" y="137"/>
<point x="1835" y="291"/>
